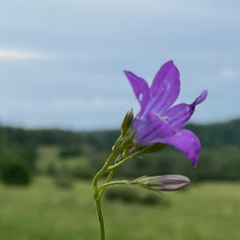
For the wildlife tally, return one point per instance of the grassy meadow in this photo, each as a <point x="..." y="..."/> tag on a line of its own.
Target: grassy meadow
<point x="42" y="211"/>
<point x="59" y="206"/>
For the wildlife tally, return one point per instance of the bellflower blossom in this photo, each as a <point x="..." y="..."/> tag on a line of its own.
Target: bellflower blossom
<point x="160" y="122"/>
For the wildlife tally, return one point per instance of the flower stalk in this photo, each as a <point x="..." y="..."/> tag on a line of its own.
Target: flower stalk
<point x="157" y="125"/>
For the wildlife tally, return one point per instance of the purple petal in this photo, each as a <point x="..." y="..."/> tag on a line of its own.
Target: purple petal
<point x="152" y="130"/>
<point x="202" y="97"/>
<point x="187" y="142"/>
<point x="180" y="114"/>
<point x="140" y="88"/>
<point x="165" y="88"/>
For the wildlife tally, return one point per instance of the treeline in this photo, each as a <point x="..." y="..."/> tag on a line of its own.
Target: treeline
<point x="219" y="159"/>
<point x="218" y="134"/>
<point x="211" y="135"/>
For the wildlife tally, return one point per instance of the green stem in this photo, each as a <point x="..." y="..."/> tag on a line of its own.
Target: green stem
<point x="118" y="147"/>
<point x="118" y="164"/>
<point x="96" y="195"/>
<point x="119" y="182"/>
<point x="101" y="191"/>
<point x="103" y="169"/>
<point x="96" y="192"/>
<point x="100" y="218"/>
<point x="113" y="169"/>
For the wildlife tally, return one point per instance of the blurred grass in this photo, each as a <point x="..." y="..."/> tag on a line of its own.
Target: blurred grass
<point x="42" y="211"/>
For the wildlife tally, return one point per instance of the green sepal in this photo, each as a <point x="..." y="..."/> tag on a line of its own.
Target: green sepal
<point x="127" y="122"/>
<point x="151" y="149"/>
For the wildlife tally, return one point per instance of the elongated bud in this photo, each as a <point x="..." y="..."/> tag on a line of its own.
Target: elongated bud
<point x="127" y="122"/>
<point x="163" y="183"/>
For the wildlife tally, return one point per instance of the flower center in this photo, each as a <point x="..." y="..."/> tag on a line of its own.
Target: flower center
<point x="165" y="118"/>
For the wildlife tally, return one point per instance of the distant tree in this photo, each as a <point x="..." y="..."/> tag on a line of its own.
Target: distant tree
<point x="14" y="172"/>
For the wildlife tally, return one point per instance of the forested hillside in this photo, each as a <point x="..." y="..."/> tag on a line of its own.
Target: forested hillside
<point x="219" y="159"/>
<point x="219" y="134"/>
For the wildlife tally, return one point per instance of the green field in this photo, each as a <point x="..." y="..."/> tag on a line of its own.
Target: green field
<point x="45" y="212"/>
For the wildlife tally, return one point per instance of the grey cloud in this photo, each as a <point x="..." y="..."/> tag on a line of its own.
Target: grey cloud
<point x="89" y="43"/>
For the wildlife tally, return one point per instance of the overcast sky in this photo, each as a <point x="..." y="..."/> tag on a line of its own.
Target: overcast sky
<point x="62" y="62"/>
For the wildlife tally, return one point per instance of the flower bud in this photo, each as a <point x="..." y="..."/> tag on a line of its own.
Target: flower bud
<point x="163" y="183"/>
<point x="127" y="122"/>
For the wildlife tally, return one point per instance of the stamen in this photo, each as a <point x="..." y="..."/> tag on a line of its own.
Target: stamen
<point x="165" y="118"/>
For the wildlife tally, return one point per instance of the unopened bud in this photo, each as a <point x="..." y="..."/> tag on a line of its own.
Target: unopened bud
<point x="163" y="183"/>
<point x="127" y="122"/>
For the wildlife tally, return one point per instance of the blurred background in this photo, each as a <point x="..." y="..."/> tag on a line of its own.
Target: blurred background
<point x="63" y="96"/>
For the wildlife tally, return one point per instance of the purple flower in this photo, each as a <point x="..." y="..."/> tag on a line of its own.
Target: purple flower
<point x="160" y="122"/>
